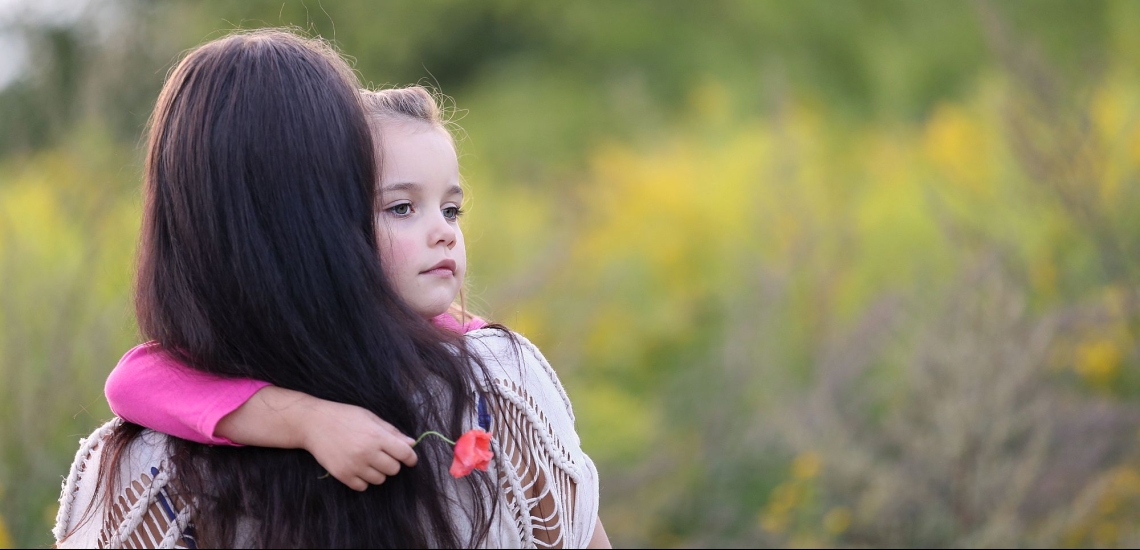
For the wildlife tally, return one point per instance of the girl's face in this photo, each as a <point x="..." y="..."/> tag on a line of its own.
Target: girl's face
<point x="421" y="245"/>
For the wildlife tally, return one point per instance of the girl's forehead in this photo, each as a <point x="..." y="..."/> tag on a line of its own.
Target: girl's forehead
<point x="419" y="152"/>
<point x="402" y="135"/>
<point x="404" y="125"/>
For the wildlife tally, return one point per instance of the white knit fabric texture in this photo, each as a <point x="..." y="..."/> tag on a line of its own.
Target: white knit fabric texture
<point x="549" y="486"/>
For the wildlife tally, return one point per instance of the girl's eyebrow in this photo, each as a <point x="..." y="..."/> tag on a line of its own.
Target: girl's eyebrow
<point x="412" y="186"/>
<point x="403" y="186"/>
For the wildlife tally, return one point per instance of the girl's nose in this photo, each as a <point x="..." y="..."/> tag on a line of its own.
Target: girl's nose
<point x="442" y="232"/>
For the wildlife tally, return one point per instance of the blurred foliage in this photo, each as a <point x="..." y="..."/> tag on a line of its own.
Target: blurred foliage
<point x="856" y="274"/>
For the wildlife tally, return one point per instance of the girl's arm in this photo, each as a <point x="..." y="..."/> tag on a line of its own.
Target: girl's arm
<point x="150" y="388"/>
<point x="354" y="445"/>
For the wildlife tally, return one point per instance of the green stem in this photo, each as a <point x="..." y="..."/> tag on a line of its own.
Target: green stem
<point x="437" y="434"/>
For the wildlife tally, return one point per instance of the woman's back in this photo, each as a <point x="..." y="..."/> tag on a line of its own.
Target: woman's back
<point x="259" y="257"/>
<point x="549" y="487"/>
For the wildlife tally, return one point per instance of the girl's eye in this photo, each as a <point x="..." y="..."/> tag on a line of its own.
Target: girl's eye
<point x="402" y="209"/>
<point x="452" y="212"/>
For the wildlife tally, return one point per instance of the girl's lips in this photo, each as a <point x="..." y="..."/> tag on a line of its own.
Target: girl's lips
<point x="445" y="268"/>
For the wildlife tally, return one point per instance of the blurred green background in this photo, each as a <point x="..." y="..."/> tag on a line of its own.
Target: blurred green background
<point x="814" y="273"/>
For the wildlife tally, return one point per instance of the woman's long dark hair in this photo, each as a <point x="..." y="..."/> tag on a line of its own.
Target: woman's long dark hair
<point x="258" y="258"/>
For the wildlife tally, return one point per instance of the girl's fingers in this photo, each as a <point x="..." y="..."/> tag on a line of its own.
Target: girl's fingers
<point x="388" y="427"/>
<point x="403" y="452"/>
<point x="373" y="476"/>
<point x="386" y="464"/>
<point x="357" y="484"/>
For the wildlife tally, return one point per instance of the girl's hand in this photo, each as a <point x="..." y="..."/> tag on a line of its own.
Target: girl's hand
<point x="354" y="445"/>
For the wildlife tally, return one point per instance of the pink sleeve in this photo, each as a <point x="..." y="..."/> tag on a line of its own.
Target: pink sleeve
<point x="446" y="321"/>
<point x="150" y="388"/>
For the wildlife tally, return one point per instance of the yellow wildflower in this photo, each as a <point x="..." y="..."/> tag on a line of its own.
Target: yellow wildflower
<point x="774" y="523"/>
<point x="5" y="536"/>
<point x="955" y="142"/>
<point x="1106" y="534"/>
<point x="1098" y="361"/>
<point x="806" y="466"/>
<point x="837" y="521"/>
<point x="784" y="498"/>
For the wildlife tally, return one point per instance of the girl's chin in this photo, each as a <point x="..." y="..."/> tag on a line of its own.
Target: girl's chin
<point x="431" y="311"/>
<point x="434" y="300"/>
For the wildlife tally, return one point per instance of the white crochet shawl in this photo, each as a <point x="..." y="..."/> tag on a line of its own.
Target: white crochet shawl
<point x="549" y="486"/>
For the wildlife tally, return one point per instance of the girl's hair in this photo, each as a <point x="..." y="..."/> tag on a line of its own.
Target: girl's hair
<point x="258" y="258"/>
<point x="411" y="102"/>
<point x="415" y="103"/>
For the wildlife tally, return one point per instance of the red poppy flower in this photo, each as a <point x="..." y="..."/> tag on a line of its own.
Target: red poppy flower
<point x="472" y="452"/>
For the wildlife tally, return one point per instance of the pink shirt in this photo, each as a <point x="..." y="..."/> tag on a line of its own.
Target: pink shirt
<point x="150" y="388"/>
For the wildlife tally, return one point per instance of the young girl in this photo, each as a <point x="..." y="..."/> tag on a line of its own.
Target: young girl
<point x="257" y="261"/>
<point x="422" y="201"/>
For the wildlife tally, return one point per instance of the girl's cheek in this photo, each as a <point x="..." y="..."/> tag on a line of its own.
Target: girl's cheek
<point x="399" y="256"/>
<point x="393" y="253"/>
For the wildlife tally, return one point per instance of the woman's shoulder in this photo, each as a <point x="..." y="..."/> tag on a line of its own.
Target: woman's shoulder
<point x="551" y="483"/>
<point x="502" y="347"/>
<point x="511" y="357"/>
<point x="140" y="477"/>
<point x="506" y="347"/>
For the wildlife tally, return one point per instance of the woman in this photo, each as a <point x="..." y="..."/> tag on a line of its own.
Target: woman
<point x="259" y="259"/>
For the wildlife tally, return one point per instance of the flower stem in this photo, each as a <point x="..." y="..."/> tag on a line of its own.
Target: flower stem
<point x="437" y="434"/>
